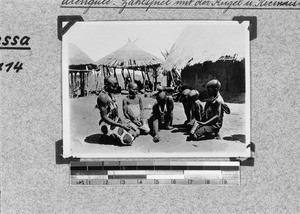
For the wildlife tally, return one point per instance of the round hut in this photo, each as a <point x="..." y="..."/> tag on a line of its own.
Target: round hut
<point x="130" y="59"/>
<point x="81" y="67"/>
<point x="203" y="52"/>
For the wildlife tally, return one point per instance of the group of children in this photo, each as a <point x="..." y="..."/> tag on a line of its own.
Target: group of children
<point x="200" y="122"/>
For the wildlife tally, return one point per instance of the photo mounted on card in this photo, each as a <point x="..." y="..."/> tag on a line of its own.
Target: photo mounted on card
<point x="156" y="89"/>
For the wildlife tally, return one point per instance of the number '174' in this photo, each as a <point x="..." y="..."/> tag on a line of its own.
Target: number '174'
<point x="16" y="66"/>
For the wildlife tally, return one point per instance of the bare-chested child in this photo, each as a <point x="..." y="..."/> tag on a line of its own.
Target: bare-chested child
<point x="184" y="100"/>
<point x="212" y="120"/>
<point x="162" y="114"/>
<point x="133" y="110"/>
<point x="192" y="107"/>
<point x="110" y="122"/>
<point x="195" y="107"/>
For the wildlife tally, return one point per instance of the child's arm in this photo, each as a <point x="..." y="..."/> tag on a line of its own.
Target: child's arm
<point x="125" y="108"/>
<point x="190" y="112"/>
<point x="214" y="118"/>
<point x="141" y="107"/>
<point x="155" y="111"/>
<point x="102" y="106"/>
<point x="186" y="111"/>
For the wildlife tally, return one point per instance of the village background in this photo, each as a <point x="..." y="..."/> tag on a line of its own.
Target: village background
<point x="186" y="53"/>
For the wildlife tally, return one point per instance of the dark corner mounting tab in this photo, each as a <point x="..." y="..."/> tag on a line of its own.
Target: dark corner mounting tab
<point x="253" y="24"/>
<point x="71" y="21"/>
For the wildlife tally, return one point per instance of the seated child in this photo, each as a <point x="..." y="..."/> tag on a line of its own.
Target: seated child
<point x="184" y="100"/>
<point x="133" y="110"/>
<point x="212" y="120"/>
<point x="192" y="107"/>
<point x="110" y="122"/>
<point x="162" y="114"/>
<point x="195" y="107"/>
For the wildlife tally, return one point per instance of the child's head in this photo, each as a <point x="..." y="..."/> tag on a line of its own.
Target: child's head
<point x="132" y="88"/>
<point x="159" y="88"/>
<point x="184" y="95"/>
<point x="193" y="95"/>
<point x="111" y="84"/>
<point x="161" y="97"/>
<point x="213" y="87"/>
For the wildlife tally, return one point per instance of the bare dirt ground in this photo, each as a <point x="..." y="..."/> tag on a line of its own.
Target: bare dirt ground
<point x="85" y="137"/>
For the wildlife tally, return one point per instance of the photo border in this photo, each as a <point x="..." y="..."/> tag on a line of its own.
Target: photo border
<point x="65" y="96"/>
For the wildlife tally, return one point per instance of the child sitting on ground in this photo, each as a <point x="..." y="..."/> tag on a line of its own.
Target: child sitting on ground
<point x="162" y="114"/>
<point x="212" y="120"/>
<point x="133" y="110"/>
<point x="195" y="108"/>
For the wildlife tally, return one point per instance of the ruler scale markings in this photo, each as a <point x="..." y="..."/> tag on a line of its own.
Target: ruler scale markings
<point x="230" y="163"/>
<point x="196" y="177"/>
<point x="77" y="163"/>
<point x="211" y="167"/>
<point x="145" y="181"/>
<point x="144" y="163"/>
<point x="82" y="168"/>
<point x="230" y="168"/>
<point x="162" y="167"/>
<point x="154" y="173"/>
<point x="194" y="163"/>
<point x="202" y="172"/>
<point x="111" y="165"/>
<point x="85" y="172"/>
<point x="127" y="172"/>
<point x="179" y="181"/>
<point x="92" y="168"/>
<point x="231" y="182"/>
<point x="178" y="163"/>
<point x="177" y="167"/>
<point x="127" y="177"/>
<point x="91" y="176"/>
<point x="195" y="167"/>
<point x="145" y="167"/>
<point x="161" y="163"/>
<point x="165" y="177"/>
<point x="129" y="167"/>
<point x="197" y="181"/>
<point x="168" y="172"/>
<point x="96" y="163"/>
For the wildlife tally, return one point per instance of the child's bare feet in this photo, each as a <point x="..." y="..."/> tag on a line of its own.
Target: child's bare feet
<point x="194" y="127"/>
<point x="169" y="127"/>
<point x="156" y="139"/>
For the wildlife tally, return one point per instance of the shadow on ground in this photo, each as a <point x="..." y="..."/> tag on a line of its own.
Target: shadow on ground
<point x="59" y="154"/>
<point x="236" y="137"/>
<point x="249" y="161"/>
<point x="101" y="140"/>
<point x="179" y="128"/>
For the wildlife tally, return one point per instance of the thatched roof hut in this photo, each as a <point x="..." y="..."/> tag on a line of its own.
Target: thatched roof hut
<point x="80" y="68"/>
<point x="205" y="52"/>
<point x="129" y="56"/>
<point x="198" y="44"/>
<point x="78" y="56"/>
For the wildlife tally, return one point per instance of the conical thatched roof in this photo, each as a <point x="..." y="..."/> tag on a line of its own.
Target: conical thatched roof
<point x="77" y="56"/>
<point x="198" y="44"/>
<point x="129" y="56"/>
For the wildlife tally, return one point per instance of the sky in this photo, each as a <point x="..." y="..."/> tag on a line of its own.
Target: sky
<point x="100" y="38"/>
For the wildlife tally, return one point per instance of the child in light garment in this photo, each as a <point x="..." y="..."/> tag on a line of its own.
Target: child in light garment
<point x="110" y="123"/>
<point x="133" y="110"/>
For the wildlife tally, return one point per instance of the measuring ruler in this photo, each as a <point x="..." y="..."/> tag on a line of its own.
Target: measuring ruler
<point x="103" y="173"/>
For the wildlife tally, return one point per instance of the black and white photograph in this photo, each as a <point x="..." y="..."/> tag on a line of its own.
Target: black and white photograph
<point x="156" y="89"/>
